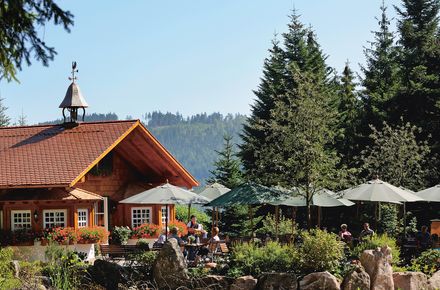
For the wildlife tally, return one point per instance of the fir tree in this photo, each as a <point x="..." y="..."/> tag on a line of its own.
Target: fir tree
<point x="227" y="167"/>
<point x="380" y="76"/>
<point x="22" y="119"/>
<point x="4" y="119"/>
<point x="418" y="100"/>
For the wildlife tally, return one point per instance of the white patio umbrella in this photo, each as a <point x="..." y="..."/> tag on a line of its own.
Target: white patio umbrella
<point x="211" y="192"/>
<point x="430" y="194"/>
<point x="380" y="191"/>
<point x="166" y="194"/>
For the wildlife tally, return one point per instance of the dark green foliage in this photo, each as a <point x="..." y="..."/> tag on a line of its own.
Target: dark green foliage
<point x="378" y="241"/>
<point x="4" y="119"/>
<point x="418" y="99"/>
<point x="428" y="262"/>
<point x="380" y="75"/>
<point x="234" y="221"/>
<point x="202" y="217"/>
<point x="7" y="278"/>
<point x="388" y="221"/>
<point x="19" y="22"/>
<point x="227" y="167"/>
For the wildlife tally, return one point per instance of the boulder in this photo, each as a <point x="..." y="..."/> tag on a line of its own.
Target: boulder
<point x="277" y="281"/>
<point x="434" y="281"/>
<point x="319" y="280"/>
<point x="169" y="269"/>
<point x="106" y="274"/>
<point x="377" y="264"/>
<point x="15" y="265"/>
<point x="410" y="280"/>
<point x="244" y="283"/>
<point x="357" y="279"/>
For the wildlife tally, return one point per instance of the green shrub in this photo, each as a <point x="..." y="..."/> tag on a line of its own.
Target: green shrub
<point x="143" y="243"/>
<point x="251" y="259"/>
<point x="428" y="262"/>
<point x="202" y="217"/>
<point x="269" y="226"/>
<point x="320" y="251"/>
<point x="7" y="279"/>
<point x="378" y="241"/>
<point x="64" y="267"/>
<point x="120" y="235"/>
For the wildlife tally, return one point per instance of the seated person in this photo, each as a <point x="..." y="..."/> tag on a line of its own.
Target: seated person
<point x="174" y="233"/>
<point x="423" y="239"/>
<point x="194" y="226"/>
<point x="344" y="234"/>
<point x="212" y="243"/>
<point x="366" y="232"/>
<point x="162" y="238"/>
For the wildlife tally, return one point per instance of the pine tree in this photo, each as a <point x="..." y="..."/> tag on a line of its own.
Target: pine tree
<point x="22" y="119"/>
<point x="4" y="119"/>
<point x="418" y="100"/>
<point x="227" y="167"/>
<point x="256" y="129"/>
<point x="348" y="117"/>
<point x="380" y="76"/>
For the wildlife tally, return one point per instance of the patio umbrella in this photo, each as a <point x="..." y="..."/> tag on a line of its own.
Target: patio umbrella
<point x="166" y="194"/>
<point x="250" y="193"/>
<point x="211" y="192"/>
<point x="430" y="194"/>
<point x="380" y="191"/>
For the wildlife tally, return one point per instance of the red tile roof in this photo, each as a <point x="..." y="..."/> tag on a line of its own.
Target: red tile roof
<point x="38" y="156"/>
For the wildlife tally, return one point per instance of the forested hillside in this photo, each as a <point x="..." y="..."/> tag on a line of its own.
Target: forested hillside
<point x="192" y="140"/>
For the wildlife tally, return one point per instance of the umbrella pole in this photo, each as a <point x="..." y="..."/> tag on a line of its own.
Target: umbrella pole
<point x="277" y="218"/>
<point x="319" y="217"/>
<point x="293" y="221"/>
<point x="166" y="222"/>
<point x="213" y="217"/>
<point x="404" y="218"/>
<point x="216" y="216"/>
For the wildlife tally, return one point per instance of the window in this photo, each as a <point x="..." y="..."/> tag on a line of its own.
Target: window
<point x="164" y="212"/>
<point x="140" y="215"/>
<point x="20" y="219"/>
<point x="54" y="218"/>
<point x="83" y="218"/>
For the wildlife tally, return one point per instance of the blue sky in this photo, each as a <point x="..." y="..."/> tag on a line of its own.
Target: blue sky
<point x="189" y="56"/>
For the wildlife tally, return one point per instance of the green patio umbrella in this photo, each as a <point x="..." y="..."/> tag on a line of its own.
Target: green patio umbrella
<point x="250" y="193"/>
<point x="211" y="192"/>
<point x="166" y="194"/>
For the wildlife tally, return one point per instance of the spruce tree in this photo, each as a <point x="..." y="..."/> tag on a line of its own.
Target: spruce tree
<point x="348" y="117"/>
<point x="227" y="167"/>
<point x="4" y="119"/>
<point x="418" y="100"/>
<point x="256" y="129"/>
<point x="380" y="76"/>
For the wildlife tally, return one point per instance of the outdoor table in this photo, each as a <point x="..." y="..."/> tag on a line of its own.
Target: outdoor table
<point x="192" y="249"/>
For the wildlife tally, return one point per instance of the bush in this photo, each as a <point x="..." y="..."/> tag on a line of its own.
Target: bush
<point x="145" y="231"/>
<point x="320" y="251"/>
<point x="61" y="235"/>
<point x="251" y="259"/>
<point x="428" y="262"/>
<point x="143" y="243"/>
<point x="269" y="226"/>
<point x="120" y="235"/>
<point x="64" y="268"/>
<point x="92" y="235"/>
<point x="378" y="241"/>
<point x="7" y="279"/>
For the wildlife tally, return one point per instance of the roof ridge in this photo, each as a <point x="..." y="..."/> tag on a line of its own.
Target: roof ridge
<point x="58" y="125"/>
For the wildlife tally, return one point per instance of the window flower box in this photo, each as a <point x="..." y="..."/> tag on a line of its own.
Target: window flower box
<point x="92" y="235"/>
<point x="146" y="231"/>
<point x="63" y="236"/>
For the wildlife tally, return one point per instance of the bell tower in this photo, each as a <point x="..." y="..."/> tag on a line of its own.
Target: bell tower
<point x="73" y="101"/>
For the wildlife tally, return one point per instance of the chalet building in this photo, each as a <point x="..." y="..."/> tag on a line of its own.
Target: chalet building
<point x="73" y="174"/>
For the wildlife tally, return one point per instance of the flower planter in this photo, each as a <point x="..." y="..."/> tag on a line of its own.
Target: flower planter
<point x="132" y="241"/>
<point x="86" y="242"/>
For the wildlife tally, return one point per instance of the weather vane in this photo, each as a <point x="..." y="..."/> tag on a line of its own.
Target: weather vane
<point x="74" y="70"/>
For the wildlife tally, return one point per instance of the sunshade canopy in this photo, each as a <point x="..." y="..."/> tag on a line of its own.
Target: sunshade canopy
<point x="430" y="194"/>
<point x="166" y="194"/>
<point x="250" y="193"/>
<point x="322" y="198"/>
<point x="379" y="191"/>
<point x="212" y="191"/>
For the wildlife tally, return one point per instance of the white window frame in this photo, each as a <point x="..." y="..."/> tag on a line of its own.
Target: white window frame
<point x="54" y="211"/>
<point x="21" y="212"/>
<point x="148" y="221"/>
<point x="86" y="221"/>
<point x="162" y="211"/>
